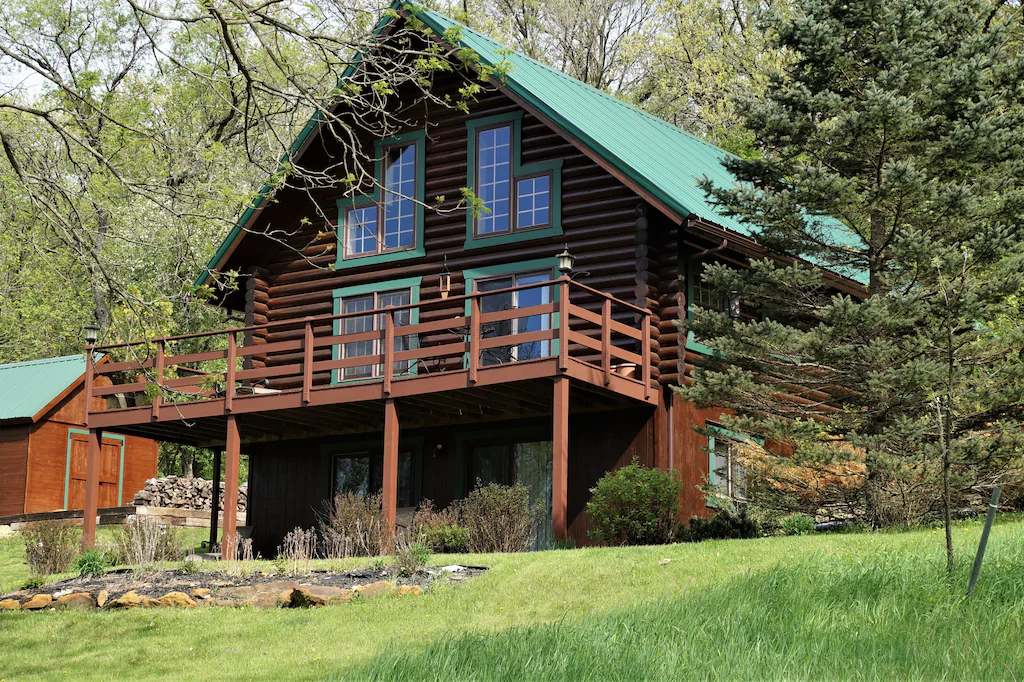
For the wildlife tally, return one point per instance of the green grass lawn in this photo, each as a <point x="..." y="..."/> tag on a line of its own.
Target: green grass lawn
<point x="827" y="607"/>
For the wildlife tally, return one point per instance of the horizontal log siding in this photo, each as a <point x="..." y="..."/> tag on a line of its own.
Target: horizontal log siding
<point x="598" y="218"/>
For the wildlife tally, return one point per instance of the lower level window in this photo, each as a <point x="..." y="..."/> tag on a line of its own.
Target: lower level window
<point x="363" y="474"/>
<point x="727" y="470"/>
<point x="526" y="463"/>
<point x="511" y="300"/>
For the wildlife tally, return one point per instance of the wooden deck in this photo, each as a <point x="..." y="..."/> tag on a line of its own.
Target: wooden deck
<point x="442" y="356"/>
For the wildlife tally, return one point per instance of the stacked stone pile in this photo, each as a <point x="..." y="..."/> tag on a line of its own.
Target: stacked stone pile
<point x="177" y="492"/>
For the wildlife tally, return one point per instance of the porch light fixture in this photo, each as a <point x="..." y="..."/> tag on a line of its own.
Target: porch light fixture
<point x="445" y="283"/>
<point x="92" y="334"/>
<point x="566" y="261"/>
<point x="734" y="305"/>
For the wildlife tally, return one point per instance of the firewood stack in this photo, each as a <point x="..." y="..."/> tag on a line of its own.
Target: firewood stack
<point x="177" y="492"/>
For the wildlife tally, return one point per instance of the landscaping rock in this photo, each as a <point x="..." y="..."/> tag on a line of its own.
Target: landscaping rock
<point x="215" y="601"/>
<point x="414" y="590"/>
<point x="10" y="605"/>
<point x="131" y="600"/>
<point x="102" y="598"/>
<point x="375" y="589"/>
<point x="237" y="593"/>
<point x="201" y="592"/>
<point x="5" y="530"/>
<point x="319" y="595"/>
<point x="39" y="601"/>
<point x="176" y="600"/>
<point x="78" y="601"/>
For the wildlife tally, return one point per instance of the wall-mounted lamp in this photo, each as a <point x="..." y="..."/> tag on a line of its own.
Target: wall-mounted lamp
<point x="92" y="334"/>
<point x="445" y="281"/>
<point x="566" y="261"/>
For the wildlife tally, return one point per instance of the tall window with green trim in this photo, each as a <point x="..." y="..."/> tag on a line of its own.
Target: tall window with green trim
<point x="726" y="469"/>
<point x="387" y="224"/>
<point x="516" y="201"/>
<point x="362" y="305"/>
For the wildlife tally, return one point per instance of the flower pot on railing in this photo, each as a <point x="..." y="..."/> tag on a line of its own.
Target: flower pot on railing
<point x="626" y="369"/>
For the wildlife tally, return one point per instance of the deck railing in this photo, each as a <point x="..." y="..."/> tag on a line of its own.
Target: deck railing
<point x="573" y="323"/>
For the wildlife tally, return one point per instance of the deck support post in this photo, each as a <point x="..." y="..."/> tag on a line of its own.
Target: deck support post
<point x="560" y="459"/>
<point x="232" y="452"/>
<point x="215" y="498"/>
<point x="92" y="487"/>
<point x="390" y="483"/>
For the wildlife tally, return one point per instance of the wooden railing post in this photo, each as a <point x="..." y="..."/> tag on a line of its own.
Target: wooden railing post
<point x="307" y="362"/>
<point x="474" y="338"/>
<point x="606" y="340"/>
<point x="645" y="345"/>
<point x="389" y="349"/>
<point x="563" y="324"/>
<point x="158" y="371"/>
<point x="229" y="376"/>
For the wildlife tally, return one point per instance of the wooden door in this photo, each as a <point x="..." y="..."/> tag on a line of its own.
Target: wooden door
<point x="110" y="471"/>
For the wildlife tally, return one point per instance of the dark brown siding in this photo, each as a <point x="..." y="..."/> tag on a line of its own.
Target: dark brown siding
<point x="288" y="485"/>
<point x="13" y="469"/>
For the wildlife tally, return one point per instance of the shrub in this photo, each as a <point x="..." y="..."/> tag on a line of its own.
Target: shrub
<point x="634" y="505"/>
<point x="498" y="518"/>
<point x="298" y="547"/>
<point x="439" y="530"/>
<point x="724" y="525"/>
<point x="353" y="526"/>
<point x="141" y="541"/>
<point x="91" y="563"/>
<point x="188" y="567"/>
<point x="410" y="557"/>
<point x="797" y="524"/>
<point x="50" y="546"/>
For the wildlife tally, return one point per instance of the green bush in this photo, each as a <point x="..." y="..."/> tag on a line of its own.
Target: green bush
<point x="635" y="505"/>
<point x="410" y="557"/>
<point x="797" y="524"/>
<point x="498" y="518"/>
<point x="50" y="546"/>
<point x="91" y="563"/>
<point x="440" y="530"/>
<point x="724" y="525"/>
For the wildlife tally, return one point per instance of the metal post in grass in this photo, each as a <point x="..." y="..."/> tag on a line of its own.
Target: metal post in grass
<point x="976" y="571"/>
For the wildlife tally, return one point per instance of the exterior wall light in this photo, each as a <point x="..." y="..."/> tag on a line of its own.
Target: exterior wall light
<point x="445" y="281"/>
<point x="566" y="261"/>
<point x="92" y="334"/>
<point x="734" y="305"/>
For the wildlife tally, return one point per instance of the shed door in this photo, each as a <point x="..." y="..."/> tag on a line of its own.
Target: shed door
<point x="110" y="470"/>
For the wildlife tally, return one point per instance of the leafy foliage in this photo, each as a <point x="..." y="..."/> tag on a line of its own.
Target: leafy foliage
<point x="50" y="546"/>
<point x="440" y="530"/>
<point x="634" y="505"/>
<point x="724" y="525"/>
<point x="410" y="557"/>
<point x="498" y="518"/>
<point x="353" y="526"/>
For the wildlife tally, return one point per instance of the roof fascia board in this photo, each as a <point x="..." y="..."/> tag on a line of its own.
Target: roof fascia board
<point x="64" y="394"/>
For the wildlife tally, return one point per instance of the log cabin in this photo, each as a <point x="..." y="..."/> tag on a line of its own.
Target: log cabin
<point x="43" y="442"/>
<point x="399" y="340"/>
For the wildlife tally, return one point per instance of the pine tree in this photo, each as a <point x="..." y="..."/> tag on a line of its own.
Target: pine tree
<point x="891" y="152"/>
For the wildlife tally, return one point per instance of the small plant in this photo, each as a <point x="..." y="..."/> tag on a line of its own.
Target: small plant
<point x="298" y="547"/>
<point x="34" y="582"/>
<point x="410" y="557"/>
<point x="634" y="505"/>
<point x="91" y="563"/>
<point x="281" y="564"/>
<point x="141" y="541"/>
<point x="567" y="543"/>
<point x="50" y="546"/>
<point x="797" y="524"/>
<point x="440" y="530"/>
<point x="499" y="518"/>
<point x="353" y="525"/>
<point x="188" y="567"/>
<point x="378" y="564"/>
<point x="724" y="525"/>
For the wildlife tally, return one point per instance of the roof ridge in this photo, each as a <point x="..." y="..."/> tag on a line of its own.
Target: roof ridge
<point x="577" y="82"/>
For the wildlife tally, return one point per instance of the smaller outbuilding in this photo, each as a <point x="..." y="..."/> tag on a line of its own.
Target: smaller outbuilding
<point x="43" y="442"/>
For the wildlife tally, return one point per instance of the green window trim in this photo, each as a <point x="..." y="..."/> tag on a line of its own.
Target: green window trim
<point x="691" y="341"/>
<point x="413" y="444"/>
<point x="67" y="463"/>
<point x="473" y="274"/>
<point x="413" y="284"/>
<point x="345" y="204"/>
<point x="519" y="172"/>
<point x="726" y="434"/>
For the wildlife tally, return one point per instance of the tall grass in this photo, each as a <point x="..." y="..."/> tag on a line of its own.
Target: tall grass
<point x="890" y="615"/>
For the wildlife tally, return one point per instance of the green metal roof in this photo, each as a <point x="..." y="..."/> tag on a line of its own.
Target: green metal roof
<point x="665" y="161"/>
<point x="27" y="387"/>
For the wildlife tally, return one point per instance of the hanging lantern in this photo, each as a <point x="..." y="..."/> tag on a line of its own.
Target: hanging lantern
<point x="566" y="261"/>
<point x="445" y="283"/>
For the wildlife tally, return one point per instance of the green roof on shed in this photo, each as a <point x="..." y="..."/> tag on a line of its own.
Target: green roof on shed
<point x="28" y="387"/>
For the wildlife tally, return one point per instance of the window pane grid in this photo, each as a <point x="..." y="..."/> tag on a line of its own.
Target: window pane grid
<point x="366" y="323"/>
<point x="510" y="301"/>
<point x="494" y="172"/>
<point x="533" y="201"/>
<point x="399" y="193"/>
<point x="361" y="231"/>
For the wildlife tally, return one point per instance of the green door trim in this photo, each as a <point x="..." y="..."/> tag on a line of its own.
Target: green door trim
<point x="67" y="463"/>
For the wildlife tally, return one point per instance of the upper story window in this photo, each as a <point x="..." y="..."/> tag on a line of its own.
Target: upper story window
<point x="386" y="225"/>
<point x="517" y="202"/>
<point x="728" y="453"/>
